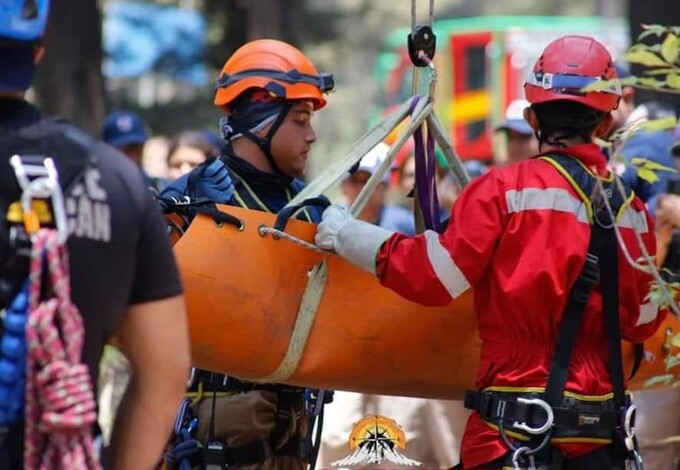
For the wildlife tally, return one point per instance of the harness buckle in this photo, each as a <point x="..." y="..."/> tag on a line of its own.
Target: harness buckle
<point x="214" y="457"/>
<point x="550" y="416"/>
<point x="181" y="201"/>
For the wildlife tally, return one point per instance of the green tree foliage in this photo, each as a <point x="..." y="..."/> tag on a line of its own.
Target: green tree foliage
<point x="657" y="55"/>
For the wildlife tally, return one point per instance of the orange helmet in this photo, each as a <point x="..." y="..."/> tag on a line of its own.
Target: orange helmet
<point x="275" y="66"/>
<point x="569" y="64"/>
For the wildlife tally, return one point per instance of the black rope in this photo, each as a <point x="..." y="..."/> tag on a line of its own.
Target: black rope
<point x="286" y="213"/>
<point x="200" y="206"/>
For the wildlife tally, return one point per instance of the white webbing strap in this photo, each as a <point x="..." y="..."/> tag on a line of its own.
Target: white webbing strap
<point x="311" y="299"/>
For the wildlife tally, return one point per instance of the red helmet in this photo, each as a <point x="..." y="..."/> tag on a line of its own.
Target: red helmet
<point x="275" y="66"/>
<point x="569" y="64"/>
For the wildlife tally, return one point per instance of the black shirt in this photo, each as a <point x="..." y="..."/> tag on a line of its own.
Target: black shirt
<point x="119" y="251"/>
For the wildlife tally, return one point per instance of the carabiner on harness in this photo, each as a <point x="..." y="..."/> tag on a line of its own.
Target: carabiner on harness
<point x="525" y="450"/>
<point x="517" y="455"/>
<point x="629" y="438"/>
<point x="550" y="416"/>
<point x="40" y="180"/>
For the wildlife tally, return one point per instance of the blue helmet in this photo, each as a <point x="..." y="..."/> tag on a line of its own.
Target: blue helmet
<point x="23" y="20"/>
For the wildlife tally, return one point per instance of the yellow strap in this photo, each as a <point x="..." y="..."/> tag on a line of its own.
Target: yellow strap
<point x="577" y="396"/>
<point x="585" y="198"/>
<point x="198" y="396"/>
<point x="258" y="201"/>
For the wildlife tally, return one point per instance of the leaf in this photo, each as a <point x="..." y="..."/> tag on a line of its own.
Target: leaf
<point x="673" y="80"/>
<point x="648" y="58"/>
<point x="653" y="296"/>
<point x="656" y="125"/>
<point x="664" y="71"/>
<point x="672" y="361"/>
<point x="647" y="175"/>
<point x="659" y="379"/>
<point x="655" y="48"/>
<point x="652" y="30"/>
<point x="600" y="85"/>
<point x="670" y="48"/>
<point x="628" y="81"/>
<point x="651" y="82"/>
<point x="651" y="164"/>
<point x="675" y="341"/>
<point x="647" y="169"/>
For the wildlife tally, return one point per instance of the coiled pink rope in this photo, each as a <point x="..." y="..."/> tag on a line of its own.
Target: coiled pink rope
<point x="60" y="403"/>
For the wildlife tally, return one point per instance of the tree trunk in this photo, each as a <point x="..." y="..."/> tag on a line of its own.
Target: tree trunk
<point x="276" y="19"/>
<point x="662" y="12"/>
<point x="232" y="16"/>
<point x="69" y="81"/>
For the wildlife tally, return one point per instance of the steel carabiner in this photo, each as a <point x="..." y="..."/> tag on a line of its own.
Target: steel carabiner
<point x="550" y="417"/>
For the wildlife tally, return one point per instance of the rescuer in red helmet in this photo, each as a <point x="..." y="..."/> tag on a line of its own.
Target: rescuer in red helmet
<point x="553" y="291"/>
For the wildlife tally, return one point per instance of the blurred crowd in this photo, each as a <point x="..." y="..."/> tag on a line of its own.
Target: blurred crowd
<point x="162" y="158"/>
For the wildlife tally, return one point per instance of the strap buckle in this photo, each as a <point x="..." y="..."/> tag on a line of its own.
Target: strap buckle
<point x="550" y="416"/>
<point x="181" y="201"/>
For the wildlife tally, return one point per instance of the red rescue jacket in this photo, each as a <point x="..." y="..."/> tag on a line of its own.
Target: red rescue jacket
<point x="519" y="235"/>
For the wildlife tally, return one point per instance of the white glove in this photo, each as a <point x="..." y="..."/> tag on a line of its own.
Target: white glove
<point x="355" y="240"/>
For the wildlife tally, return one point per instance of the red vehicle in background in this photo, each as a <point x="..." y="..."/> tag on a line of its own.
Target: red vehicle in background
<point x="481" y="65"/>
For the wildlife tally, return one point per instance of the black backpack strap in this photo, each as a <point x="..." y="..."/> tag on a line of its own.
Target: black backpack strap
<point x="571" y="323"/>
<point x="601" y="265"/>
<point x="609" y="287"/>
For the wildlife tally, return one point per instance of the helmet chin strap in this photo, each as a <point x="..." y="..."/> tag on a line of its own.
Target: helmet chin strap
<point x="265" y="143"/>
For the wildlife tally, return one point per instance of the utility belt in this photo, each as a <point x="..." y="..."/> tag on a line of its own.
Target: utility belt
<point x="527" y="413"/>
<point x="213" y="452"/>
<point x="207" y="381"/>
<point x="527" y="417"/>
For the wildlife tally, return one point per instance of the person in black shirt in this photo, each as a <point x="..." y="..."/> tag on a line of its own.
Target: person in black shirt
<point x="124" y="280"/>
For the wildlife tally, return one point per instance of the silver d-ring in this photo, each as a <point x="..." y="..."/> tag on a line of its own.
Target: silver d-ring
<point x="550" y="418"/>
<point x="627" y="420"/>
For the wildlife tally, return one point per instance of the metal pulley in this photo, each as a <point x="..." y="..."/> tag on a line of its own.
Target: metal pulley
<point x="422" y="41"/>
